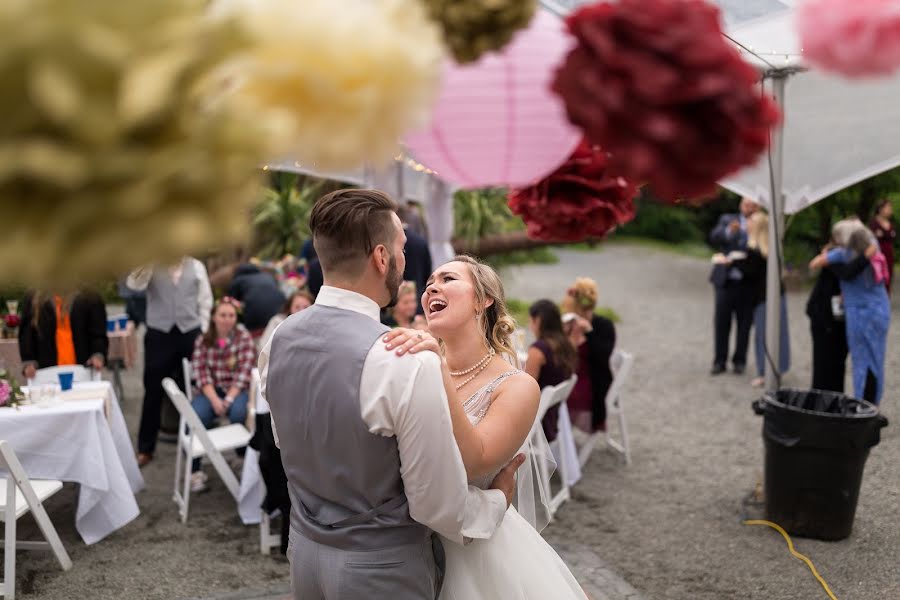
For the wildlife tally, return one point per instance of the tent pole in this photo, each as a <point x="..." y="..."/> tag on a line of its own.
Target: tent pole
<point x="776" y="235"/>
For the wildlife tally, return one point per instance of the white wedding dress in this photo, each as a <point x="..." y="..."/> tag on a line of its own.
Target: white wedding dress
<point x="516" y="563"/>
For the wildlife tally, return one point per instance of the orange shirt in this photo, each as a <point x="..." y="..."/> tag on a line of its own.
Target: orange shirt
<point x="65" y="348"/>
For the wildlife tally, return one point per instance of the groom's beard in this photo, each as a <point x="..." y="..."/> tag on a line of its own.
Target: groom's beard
<point x="392" y="282"/>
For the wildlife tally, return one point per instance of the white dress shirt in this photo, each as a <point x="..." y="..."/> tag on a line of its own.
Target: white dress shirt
<point x="403" y="397"/>
<point x="139" y="279"/>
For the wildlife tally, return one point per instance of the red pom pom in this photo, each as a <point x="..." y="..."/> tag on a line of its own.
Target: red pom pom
<point x="580" y="200"/>
<point x="12" y="320"/>
<point x="656" y="84"/>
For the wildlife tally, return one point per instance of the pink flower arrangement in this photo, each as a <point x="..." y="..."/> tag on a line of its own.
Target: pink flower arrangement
<point x="855" y="38"/>
<point x="5" y="392"/>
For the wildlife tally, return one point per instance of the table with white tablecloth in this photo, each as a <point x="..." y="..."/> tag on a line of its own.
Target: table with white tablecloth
<point x="83" y="440"/>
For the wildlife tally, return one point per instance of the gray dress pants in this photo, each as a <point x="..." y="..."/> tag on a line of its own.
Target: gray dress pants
<point x="320" y="572"/>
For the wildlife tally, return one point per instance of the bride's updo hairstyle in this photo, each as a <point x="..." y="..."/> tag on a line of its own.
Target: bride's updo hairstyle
<point x="497" y="324"/>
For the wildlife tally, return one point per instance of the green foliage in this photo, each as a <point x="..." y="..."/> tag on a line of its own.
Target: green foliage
<point x="539" y="256"/>
<point x="478" y="213"/>
<point x="281" y="219"/>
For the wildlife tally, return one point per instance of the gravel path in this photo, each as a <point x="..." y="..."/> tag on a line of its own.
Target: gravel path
<point x="670" y="524"/>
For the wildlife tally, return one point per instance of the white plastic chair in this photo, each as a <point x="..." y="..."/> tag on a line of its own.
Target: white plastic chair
<point x="552" y="395"/>
<point x="51" y="374"/>
<point x="258" y="405"/>
<point x="620" y="362"/>
<point x="18" y="496"/>
<point x="195" y="441"/>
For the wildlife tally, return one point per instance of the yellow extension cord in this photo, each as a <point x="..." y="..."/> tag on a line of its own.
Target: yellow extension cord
<point x="790" y="544"/>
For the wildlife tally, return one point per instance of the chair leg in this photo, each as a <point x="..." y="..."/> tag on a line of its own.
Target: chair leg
<point x="188" y="463"/>
<point x="9" y="544"/>
<point x="46" y="527"/>
<point x="625" y="445"/>
<point x="264" y="534"/>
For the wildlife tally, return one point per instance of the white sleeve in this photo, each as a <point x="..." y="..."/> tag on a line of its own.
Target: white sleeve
<point x="404" y="397"/>
<point x="204" y="295"/>
<point x="139" y="279"/>
<point x="263" y="366"/>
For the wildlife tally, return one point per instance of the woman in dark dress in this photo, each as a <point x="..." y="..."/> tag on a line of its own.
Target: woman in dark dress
<point x="587" y="403"/>
<point x="886" y="234"/>
<point x="551" y="358"/>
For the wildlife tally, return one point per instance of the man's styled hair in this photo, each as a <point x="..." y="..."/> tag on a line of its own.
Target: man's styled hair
<point x="347" y="225"/>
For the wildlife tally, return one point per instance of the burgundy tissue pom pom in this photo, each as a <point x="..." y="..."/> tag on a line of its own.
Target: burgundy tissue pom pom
<point x="655" y="83"/>
<point x="580" y="200"/>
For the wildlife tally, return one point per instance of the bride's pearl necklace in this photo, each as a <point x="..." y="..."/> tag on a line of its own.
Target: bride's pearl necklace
<point x="477" y="367"/>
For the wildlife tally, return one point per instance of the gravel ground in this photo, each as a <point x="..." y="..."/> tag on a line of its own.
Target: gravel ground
<point x="670" y="524"/>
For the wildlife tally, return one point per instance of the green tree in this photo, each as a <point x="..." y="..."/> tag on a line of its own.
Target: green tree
<point x="281" y="219"/>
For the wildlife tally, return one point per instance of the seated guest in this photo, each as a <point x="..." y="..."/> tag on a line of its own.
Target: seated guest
<point x="551" y="358"/>
<point x="259" y="294"/>
<point x="62" y="330"/>
<point x="296" y="302"/>
<point x="403" y="313"/>
<point x="587" y="403"/>
<point x="222" y="362"/>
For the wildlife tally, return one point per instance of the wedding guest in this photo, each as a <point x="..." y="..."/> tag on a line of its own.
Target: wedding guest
<point x="732" y="299"/>
<point x="222" y="363"/>
<point x="403" y="313"/>
<point x="296" y="302"/>
<point x="418" y="262"/>
<point x="754" y="267"/>
<point x="259" y="294"/>
<point x="62" y="329"/>
<point x="866" y="305"/>
<point x="551" y="358"/>
<point x="179" y="299"/>
<point x="886" y="234"/>
<point x="587" y="404"/>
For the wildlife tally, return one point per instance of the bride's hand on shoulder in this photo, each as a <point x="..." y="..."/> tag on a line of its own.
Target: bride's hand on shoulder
<point x="410" y="341"/>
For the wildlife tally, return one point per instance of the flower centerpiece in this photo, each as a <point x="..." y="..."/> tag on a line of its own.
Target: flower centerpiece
<point x="10" y="392"/>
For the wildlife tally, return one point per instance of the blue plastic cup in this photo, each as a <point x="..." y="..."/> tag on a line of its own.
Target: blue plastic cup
<point x="65" y="380"/>
<point x="123" y="322"/>
<point x="110" y="325"/>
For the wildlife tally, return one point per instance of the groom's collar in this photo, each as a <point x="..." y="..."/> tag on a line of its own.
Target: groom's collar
<point x="347" y="300"/>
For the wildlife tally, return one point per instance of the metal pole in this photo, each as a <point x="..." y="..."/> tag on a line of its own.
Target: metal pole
<point x="776" y="233"/>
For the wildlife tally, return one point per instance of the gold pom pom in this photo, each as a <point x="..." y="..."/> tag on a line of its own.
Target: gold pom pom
<point x="348" y="78"/>
<point x="474" y="27"/>
<point x="112" y="150"/>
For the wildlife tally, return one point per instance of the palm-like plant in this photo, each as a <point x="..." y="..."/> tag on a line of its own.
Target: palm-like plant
<point x="281" y="219"/>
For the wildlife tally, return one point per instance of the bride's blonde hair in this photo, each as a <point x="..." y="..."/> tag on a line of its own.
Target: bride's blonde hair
<point x="497" y="324"/>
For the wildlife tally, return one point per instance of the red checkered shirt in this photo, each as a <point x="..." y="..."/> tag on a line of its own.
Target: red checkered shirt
<point x="227" y="366"/>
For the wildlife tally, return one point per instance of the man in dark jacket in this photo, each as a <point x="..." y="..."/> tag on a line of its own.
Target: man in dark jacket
<point x="733" y="299"/>
<point x="260" y="295"/>
<point x="418" y="263"/>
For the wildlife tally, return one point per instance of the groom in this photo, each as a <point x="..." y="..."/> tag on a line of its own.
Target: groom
<point x="365" y="436"/>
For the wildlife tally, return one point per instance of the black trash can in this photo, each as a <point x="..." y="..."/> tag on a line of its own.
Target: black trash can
<point x="816" y="446"/>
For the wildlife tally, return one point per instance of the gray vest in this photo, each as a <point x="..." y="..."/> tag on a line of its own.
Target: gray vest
<point x="344" y="482"/>
<point x="169" y="305"/>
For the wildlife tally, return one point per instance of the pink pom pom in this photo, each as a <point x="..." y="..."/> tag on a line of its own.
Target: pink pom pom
<point x="855" y="38"/>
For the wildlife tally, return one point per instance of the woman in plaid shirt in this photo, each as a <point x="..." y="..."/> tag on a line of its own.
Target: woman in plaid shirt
<point x="222" y="361"/>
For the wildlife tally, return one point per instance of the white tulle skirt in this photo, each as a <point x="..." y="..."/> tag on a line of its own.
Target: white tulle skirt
<point x="515" y="564"/>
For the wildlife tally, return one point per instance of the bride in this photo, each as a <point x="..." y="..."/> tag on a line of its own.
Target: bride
<point x="493" y="407"/>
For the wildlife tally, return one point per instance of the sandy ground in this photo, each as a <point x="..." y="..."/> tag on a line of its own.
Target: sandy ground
<point x="670" y="524"/>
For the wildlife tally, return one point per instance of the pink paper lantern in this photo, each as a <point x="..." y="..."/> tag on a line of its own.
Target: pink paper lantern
<point x="856" y="38"/>
<point x="496" y="122"/>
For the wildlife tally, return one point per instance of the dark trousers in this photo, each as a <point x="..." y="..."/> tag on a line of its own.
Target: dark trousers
<point x="829" y="356"/>
<point x="162" y="358"/>
<point x="733" y="302"/>
<point x="272" y="471"/>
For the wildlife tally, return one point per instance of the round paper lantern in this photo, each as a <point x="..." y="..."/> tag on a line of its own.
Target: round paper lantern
<point x="496" y="122"/>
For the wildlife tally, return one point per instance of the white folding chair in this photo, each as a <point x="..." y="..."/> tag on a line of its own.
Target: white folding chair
<point x="620" y="362"/>
<point x="195" y="441"/>
<point x="19" y="495"/>
<point x="51" y="374"/>
<point x="258" y="405"/>
<point x="552" y="395"/>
